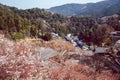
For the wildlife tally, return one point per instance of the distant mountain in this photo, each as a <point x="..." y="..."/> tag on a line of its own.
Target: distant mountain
<point x="99" y="9"/>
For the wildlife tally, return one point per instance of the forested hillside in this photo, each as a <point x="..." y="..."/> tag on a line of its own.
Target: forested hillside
<point x="99" y="9"/>
<point x="16" y="24"/>
<point x="21" y="23"/>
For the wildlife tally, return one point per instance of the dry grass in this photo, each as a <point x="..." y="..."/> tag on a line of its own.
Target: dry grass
<point x="19" y="61"/>
<point x="16" y="60"/>
<point x="73" y="70"/>
<point x="60" y="45"/>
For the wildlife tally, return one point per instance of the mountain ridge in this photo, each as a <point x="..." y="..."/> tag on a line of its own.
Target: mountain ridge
<point x="98" y="9"/>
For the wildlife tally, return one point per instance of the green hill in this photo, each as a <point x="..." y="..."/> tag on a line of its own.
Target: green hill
<point x="16" y="23"/>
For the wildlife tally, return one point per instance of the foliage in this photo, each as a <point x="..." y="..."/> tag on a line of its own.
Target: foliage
<point x="17" y="35"/>
<point x="33" y="22"/>
<point x="47" y="36"/>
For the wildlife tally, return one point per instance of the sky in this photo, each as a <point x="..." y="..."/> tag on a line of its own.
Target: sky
<point x="46" y="4"/>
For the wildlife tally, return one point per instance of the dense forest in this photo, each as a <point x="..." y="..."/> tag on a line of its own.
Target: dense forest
<point x="16" y="23"/>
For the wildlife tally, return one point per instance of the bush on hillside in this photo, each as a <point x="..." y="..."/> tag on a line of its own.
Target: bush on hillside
<point x="16" y="61"/>
<point x="47" y="36"/>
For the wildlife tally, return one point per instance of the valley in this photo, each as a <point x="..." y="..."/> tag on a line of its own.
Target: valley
<point x="68" y="42"/>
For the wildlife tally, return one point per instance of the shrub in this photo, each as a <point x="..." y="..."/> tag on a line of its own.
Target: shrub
<point x="17" y="35"/>
<point x="16" y="61"/>
<point x="47" y="36"/>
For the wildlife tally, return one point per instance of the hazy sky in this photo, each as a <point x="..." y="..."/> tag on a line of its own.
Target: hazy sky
<point x="24" y="4"/>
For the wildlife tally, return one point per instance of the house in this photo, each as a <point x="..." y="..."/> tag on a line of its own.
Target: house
<point x="54" y="35"/>
<point x="115" y="34"/>
<point x="101" y="50"/>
